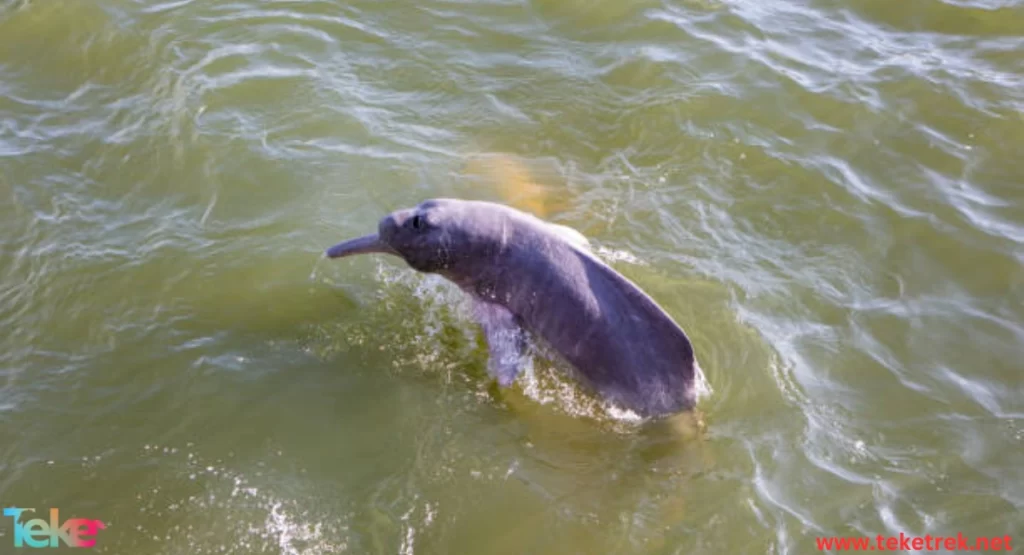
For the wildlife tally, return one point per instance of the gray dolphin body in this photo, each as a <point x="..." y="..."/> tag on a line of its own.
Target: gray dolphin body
<point x="526" y="273"/>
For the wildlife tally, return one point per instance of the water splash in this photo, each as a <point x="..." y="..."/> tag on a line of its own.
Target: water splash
<point x="234" y="511"/>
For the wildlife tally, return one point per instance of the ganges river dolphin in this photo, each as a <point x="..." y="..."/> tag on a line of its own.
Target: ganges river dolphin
<point x="528" y="274"/>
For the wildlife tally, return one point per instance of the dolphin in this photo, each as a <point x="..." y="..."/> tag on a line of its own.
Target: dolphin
<point x="524" y="273"/>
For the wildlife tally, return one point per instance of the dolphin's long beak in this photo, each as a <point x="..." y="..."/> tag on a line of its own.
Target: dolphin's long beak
<point x="363" y="245"/>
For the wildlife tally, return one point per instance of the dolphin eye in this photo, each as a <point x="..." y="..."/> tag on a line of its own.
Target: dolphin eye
<point x="417" y="222"/>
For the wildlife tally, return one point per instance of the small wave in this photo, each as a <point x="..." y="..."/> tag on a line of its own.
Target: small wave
<point x="234" y="512"/>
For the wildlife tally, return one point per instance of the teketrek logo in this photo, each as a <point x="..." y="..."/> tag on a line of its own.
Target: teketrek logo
<point x="37" y="532"/>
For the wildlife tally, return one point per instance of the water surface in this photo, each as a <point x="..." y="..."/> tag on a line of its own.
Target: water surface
<point x="826" y="194"/>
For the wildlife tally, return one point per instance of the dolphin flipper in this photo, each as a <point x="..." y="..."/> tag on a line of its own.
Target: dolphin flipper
<point x="506" y="341"/>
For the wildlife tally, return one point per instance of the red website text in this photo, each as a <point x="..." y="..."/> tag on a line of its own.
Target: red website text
<point x="904" y="542"/>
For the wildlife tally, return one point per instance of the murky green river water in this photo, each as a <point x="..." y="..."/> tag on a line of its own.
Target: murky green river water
<point x="826" y="194"/>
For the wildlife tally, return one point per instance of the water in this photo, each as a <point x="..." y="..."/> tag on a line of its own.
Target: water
<point x="826" y="194"/>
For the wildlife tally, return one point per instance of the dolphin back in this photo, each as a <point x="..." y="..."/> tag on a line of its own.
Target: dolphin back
<point x="650" y="359"/>
<point x="619" y="340"/>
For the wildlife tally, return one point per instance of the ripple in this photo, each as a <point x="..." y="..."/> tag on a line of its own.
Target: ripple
<point x="252" y="517"/>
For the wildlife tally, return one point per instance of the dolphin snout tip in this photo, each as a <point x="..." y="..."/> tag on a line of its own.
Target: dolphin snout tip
<point x="361" y="245"/>
<point x="331" y="252"/>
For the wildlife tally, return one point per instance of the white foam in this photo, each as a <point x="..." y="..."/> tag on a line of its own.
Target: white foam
<point x="701" y="385"/>
<point x="615" y="255"/>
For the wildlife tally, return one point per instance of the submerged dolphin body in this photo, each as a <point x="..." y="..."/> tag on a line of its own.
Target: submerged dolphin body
<point x="526" y="273"/>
